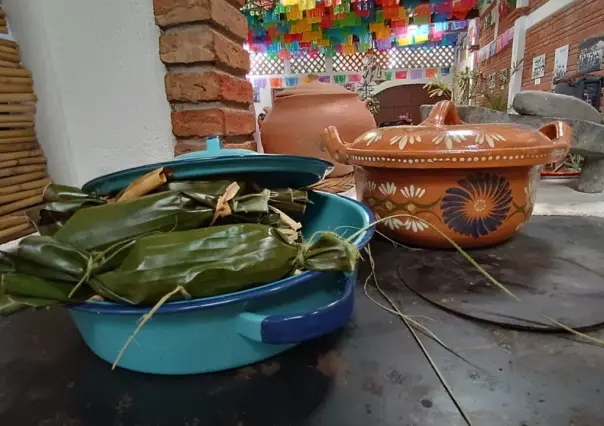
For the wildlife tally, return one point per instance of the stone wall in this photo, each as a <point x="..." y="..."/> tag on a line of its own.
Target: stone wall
<point x="202" y="47"/>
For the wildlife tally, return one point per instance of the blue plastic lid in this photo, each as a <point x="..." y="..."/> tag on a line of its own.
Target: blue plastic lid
<point x="214" y="150"/>
<point x="268" y="170"/>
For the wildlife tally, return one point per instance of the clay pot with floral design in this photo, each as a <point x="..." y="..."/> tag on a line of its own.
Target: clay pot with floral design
<point x="300" y="113"/>
<point x="476" y="183"/>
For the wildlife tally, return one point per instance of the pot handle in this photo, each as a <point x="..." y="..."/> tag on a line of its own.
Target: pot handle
<point x="559" y="132"/>
<point x="442" y="114"/>
<point x="298" y="327"/>
<point x="336" y="147"/>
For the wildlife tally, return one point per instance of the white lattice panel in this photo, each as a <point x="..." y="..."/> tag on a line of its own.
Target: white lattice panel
<point x="435" y="57"/>
<point x="438" y="56"/>
<point x="261" y="65"/>
<point x="343" y="63"/>
<point x="307" y="65"/>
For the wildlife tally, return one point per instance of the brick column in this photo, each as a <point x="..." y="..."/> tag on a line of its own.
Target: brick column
<point x="202" y="46"/>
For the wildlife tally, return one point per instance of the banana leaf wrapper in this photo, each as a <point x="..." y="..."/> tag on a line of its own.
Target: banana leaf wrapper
<point x="205" y="262"/>
<point x="97" y="228"/>
<point x="61" y="202"/>
<point x="10" y="304"/>
<point x="288" y="200"/>
<point x="20" y="291"/>
<point x="64" y="201"/>
<point x="218" y="260"/>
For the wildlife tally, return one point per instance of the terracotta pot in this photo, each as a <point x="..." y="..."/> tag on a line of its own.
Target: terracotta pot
<point x="475" y="183"/>
<point x="300" y="113"/>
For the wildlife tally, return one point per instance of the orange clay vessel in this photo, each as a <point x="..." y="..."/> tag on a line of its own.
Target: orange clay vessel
<point x="474" y="182"/>
<point x="300" y="113"/>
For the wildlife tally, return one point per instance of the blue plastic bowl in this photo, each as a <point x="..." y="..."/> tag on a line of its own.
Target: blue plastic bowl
<point x="223" y="332"/>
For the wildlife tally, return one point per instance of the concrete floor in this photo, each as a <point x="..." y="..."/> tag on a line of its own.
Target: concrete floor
<point x="559" y="197"/>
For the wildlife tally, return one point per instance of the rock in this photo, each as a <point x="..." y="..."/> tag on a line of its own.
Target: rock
<point x="592" y="175"/>
<point x="545" y="104"/>
<point x="473" y="114"/>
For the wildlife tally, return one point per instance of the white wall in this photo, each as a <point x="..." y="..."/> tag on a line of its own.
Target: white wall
<point x="102" y="105"/>
<point x="521" y="26"/>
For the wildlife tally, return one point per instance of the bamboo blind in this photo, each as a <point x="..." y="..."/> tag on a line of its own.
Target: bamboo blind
<point x="23" y="175"/>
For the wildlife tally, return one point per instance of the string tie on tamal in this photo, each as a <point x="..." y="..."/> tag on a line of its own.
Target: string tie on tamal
<point x="90" y="265"/>
<point x="223" y="208"/>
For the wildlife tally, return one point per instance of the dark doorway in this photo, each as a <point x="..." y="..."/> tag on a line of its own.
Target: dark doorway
<point x="404" y="99"/>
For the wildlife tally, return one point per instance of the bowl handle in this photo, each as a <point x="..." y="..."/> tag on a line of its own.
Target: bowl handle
<point x="296" y="328"/>
<point x="559" y="132"/>
<point x="443" y="113"/>
<point x="336" y="147"/>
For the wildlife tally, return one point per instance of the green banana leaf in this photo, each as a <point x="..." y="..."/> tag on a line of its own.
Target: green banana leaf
<point x="97" y="228"/>
<point x="288" y="200"/>
<point x="10" y="304"/>
<point x="22" y="285"/>
<point x="61" y="202"/>
<point x="89" y="223"/>
<point x="218" y="260"/>
<point x="205" y="262"/>
<point x="20" y="291"/>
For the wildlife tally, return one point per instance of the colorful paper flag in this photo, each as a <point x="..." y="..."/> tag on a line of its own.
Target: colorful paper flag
<point x="417" y="74"/>
<point x="324" y="79"/>
<point x="420" y="38"/>
<point x="291" y="81"/>
<point x="405" y="41"/>
<point x="387" y="75"/>
<point x="430" y="72"/>
<point x="339" y="79"/>
<point x="354" y="78"/>
<point x="400" y="75"/>
<point x="259" y="83"/>
<point x="421" y="20"/>
<point x="276" y="82"/>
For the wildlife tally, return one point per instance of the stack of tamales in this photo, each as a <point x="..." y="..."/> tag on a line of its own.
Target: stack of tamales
<point x="22" y="163"/>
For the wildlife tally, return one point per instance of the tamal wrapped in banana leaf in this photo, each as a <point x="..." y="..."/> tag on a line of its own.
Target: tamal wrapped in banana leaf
<point x="204" y="262"/>
<point x="91" y="223"/>
<point x="218" y="260"/>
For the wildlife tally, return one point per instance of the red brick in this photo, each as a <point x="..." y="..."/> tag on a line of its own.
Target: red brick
<point x="198" y="144"/>
<point x="208" y="86"/>
<point x="173" y="12"/>
<point x="213" y="122"/>
<point x="203" y="45"/>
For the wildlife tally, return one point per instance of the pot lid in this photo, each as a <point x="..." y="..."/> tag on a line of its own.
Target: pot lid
<point x="314" y="88"/>
<point x="268" y="170"/>
<point x="444" y="141"/>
